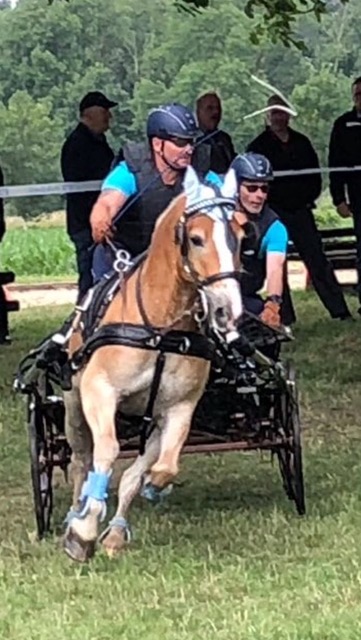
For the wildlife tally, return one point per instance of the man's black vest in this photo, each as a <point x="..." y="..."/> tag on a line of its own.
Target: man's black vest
<point x="135" y="227"/>
<point x="253" y="263"/>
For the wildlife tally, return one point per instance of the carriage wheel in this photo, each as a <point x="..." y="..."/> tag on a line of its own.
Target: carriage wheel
<point x="290" y="453"/>
<point x="40" y="465"/>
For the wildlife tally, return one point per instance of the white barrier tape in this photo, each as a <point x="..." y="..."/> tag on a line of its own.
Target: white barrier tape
<point x="49" y="189"/>
<point x="62" y="188"/>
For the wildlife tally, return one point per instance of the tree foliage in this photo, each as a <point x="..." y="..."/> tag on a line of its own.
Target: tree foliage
<point x="277" y="17"/>
<point x="146" y="53"/>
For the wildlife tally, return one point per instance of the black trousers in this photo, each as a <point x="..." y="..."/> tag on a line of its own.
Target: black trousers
<point x="356" y="210"/>
<point x="4" y="326"/>
<point x="83" y="244"/>
<point x="302" y="229"/>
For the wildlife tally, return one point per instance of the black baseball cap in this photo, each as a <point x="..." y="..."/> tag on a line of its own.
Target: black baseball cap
<point x="96" y="99"/>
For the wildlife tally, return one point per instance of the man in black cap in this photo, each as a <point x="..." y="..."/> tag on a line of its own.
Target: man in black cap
<point x="86" y="155"/>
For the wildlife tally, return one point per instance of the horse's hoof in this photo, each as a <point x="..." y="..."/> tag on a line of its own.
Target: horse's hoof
<point x="114" y="541"/>
<point x="154" y="494"/>
<point x="161" y="475"/>
<point x="76" y="548"/>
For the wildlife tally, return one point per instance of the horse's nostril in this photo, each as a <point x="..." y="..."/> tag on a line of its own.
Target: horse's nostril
<point x="221" y="315"/>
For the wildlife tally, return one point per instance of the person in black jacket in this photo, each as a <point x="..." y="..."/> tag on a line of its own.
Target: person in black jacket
<point x="86" y="155"/>
<point x="345" y="150"/>
<point x="293" y="199"/>
<point x="209" y="114"/>
<point x="4" y="327"/>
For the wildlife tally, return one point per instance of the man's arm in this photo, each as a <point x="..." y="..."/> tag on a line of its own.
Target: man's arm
<point x="337" y="179"/>
<point x="117" y="187"/>
<point x="105" y="209"/>
<point x="314" y="181"/>
<point x="275" y="267"/>
<point x="275" y="245"/>
<point x="74" y="162"/>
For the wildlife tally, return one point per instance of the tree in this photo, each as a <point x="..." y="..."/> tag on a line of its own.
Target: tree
<point x="29" y="142"/>
<point x="276" y="18"/>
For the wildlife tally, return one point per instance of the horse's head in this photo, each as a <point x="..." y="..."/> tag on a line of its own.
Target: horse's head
<point x="209" y="234"/>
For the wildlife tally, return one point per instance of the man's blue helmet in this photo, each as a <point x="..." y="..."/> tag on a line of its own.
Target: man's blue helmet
<point x="172" y="121"/>
<point x="253" y="167"/>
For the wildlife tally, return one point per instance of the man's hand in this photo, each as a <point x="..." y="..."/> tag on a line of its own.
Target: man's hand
<point x="344" y="210"/>
<point x="101" y="225"/>
<point x="271" y="314"/>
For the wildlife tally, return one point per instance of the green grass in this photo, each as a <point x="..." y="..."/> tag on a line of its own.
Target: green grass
<point x="226" y="558"/>
<point x="38" y="252"/>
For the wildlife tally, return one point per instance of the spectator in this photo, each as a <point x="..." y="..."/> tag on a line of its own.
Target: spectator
<point x="209" y="114"/>
<point x="293" y="199"/>
<point x="4" y="327"/>
<point x="86" y="155"/>
<point x="345" y="187"/>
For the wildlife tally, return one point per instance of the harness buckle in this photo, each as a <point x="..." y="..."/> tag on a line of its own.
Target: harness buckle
<point x="154" y="341"/>
<point x="185" y="345"/>
<point x="122" y="262"/>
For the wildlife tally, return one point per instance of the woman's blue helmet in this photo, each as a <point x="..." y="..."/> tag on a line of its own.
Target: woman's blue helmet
<point x="253" y="167"/>
<point x="172" y="121"/>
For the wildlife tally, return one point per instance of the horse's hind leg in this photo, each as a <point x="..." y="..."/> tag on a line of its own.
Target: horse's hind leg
<point x="99" y="400"/>
<point x="80" y="440"/>
<point x="117" y="533"/>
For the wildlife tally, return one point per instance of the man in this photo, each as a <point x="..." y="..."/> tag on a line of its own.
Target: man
<point x="209" y="114"/>
<point x="4" y="327"/>
<point x="264" y="248"/>
<point x="86" y="155"/>
<point x="141" y="186"/>
<point x="345" y="150"/>
<point x="293" y="199"/>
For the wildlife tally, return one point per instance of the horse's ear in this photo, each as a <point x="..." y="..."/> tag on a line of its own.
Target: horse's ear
<point x="191" y="185"/>
<point x="229" y="188"/>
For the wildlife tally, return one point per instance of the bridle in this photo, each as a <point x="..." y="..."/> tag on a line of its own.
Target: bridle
<point x="202" y="207"/>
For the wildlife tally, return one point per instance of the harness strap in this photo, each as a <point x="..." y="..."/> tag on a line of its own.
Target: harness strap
<point x="147" y="424"/>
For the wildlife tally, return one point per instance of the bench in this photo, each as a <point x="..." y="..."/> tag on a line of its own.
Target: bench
<point x="339" y="246"/>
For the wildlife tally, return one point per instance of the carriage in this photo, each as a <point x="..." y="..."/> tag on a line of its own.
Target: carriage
<point x="251" y="403"/>
<point x="249" y="399"/>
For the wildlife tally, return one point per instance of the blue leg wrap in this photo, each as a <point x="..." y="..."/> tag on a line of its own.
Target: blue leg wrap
<point x="121" y="523"/>
<point x="154" y="494"/>
<point x="96" y="488"/>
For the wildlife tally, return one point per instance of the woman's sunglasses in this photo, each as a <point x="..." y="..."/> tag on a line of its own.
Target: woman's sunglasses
<point x="252" y="188"/>
<point x="182" y="142"/>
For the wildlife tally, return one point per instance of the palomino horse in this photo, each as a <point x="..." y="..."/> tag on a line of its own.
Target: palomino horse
<point x="194" y="254"/>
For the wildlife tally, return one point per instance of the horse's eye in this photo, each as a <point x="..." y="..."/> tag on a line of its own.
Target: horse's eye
<point x="197" y="241"/>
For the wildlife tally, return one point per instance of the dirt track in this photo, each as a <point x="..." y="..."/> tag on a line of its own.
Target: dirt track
<point x="65" y="293"/>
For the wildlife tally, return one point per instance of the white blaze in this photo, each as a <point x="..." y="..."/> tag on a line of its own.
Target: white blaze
<point x="228" y="286"/>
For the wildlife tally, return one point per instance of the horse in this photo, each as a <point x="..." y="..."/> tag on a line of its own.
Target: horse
<point x="191" y="270"/>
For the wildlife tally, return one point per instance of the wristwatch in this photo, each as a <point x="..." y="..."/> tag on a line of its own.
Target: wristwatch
<point x="274" y="298"/>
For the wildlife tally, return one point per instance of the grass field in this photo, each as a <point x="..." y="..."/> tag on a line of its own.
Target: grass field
<point x="226" y="558"/>
<point x="40" y="251"/>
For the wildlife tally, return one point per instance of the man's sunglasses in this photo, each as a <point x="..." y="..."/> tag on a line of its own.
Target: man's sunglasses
<point x="182" y="142"/>
<point x="252" y="188"/>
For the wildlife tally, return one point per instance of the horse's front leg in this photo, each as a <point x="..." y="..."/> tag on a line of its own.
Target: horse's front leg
<point x="118" y="533"/>
<point x="80" y="440"/>
<point x="177" y="423"/>
<point x="99" y="401"/>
